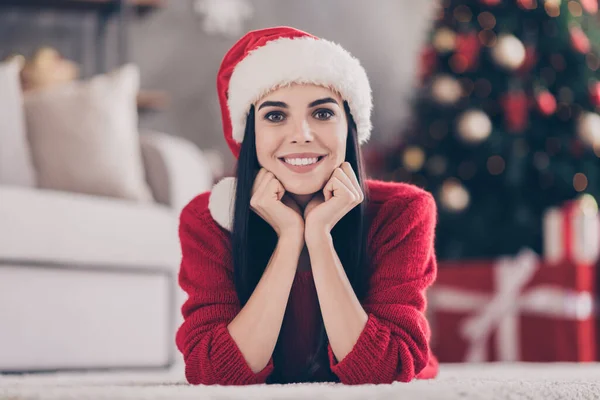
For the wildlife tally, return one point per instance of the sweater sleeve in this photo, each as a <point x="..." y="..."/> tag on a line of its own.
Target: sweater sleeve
<point x="394" y="344"/>
<point x="210" y="353"/>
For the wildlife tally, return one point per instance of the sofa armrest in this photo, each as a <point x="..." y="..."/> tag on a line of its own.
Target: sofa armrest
<point x="176" y="169"/>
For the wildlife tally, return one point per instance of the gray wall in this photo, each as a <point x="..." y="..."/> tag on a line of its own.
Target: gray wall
<point x="176" y="55"/>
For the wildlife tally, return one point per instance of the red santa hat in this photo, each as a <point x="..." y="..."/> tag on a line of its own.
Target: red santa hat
<point x="266" y="59"/>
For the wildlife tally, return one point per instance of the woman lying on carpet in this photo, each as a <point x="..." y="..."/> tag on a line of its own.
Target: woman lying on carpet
<point x="299" y="269"/>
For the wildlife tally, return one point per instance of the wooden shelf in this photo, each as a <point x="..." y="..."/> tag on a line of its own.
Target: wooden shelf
<point x="85" y="5"/>
<point x="152" y="100"/>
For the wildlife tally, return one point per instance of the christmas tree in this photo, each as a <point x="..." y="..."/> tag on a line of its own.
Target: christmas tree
<point x="506" y="121"/>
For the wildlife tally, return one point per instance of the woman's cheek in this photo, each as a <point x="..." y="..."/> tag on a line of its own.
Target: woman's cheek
<point x="264" y="147"/>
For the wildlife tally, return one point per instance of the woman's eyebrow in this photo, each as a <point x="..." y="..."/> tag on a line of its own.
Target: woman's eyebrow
<point x="273" y="104"/>
<point x="323" y="101"/>
<point x="284" y="105"/>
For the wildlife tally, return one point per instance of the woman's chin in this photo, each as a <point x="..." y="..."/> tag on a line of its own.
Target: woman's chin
<point x="302" y="189"/>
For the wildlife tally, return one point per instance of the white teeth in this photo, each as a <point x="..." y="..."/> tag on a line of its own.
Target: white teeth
<point x="301" y="161"/>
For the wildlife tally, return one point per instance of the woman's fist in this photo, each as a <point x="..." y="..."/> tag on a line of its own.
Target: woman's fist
<point x="269" y="201"/>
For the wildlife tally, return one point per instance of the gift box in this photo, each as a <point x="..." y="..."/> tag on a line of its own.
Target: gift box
<point x="513" y="309"/>
<point x="572" y="232"/>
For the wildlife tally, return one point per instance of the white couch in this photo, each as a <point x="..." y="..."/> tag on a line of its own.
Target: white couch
<point x="90" y="282"/>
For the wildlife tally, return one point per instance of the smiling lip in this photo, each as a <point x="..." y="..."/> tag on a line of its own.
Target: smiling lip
<point x="302" y="168"/>
<point x="302" y="155"/>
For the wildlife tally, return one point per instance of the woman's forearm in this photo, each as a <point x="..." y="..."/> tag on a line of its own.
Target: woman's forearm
<point x="256" y="327"/>
<point x="343" y="315"/>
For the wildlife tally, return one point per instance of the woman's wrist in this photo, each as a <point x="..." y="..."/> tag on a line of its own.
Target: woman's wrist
<point x="292" y="238"/>
<point x="317" y="237"/>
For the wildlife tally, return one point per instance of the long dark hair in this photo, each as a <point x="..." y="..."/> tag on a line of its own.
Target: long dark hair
<point x="254" y="240"/>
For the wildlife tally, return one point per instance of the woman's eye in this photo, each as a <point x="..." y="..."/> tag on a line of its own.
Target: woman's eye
<point x="324" y="114"/>
<point x="274" y="116"/>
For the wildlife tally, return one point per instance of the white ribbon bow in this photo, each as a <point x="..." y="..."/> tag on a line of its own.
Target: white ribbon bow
<point x="501" y="310"/>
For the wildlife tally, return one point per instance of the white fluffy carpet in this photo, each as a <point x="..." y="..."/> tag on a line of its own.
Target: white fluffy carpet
<point x="489" y="382"/>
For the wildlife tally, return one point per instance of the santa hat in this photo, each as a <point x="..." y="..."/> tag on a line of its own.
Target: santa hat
<point x="266" y="59"/>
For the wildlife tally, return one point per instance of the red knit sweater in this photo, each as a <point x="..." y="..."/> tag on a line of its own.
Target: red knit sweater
<point x="394" y="345"/>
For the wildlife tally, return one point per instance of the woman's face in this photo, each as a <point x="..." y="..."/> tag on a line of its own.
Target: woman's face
<point x="301" y="135"/>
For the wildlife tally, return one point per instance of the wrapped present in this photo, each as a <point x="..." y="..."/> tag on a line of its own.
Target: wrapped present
<point x="513" y="309"/>
<point x="572" y="232"/>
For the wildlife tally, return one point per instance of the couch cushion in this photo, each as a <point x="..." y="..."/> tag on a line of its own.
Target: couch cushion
<point x="84" y="136"/>
<point x="16" y="167"/>
<point x="46" y="225"/>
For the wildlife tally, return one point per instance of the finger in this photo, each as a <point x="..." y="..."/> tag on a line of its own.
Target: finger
<point x="258" y="179"/>
<point x="349" y="171"/>
<point x="345" y="179"/>
<point x="266" y="181"/>
<point x="274" y="187"/>
<point x="335" y="185"/>
<point x="328" y="189"/>
<point x="260" y="175"/>
<point x="263" y="186"/>
<point x="347" y="168"/>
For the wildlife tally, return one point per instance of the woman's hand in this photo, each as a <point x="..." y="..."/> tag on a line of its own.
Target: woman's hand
<point x="340" y="195"/>
<point x="270" y="203"/>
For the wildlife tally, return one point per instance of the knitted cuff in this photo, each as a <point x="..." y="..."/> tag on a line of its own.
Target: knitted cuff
<point x="229" y="362"/>
<point x="364" y="362"/>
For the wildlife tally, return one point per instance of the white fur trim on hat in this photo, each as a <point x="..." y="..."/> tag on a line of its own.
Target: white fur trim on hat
<point x="221" y="202"/>
<point x="284" y="61"/>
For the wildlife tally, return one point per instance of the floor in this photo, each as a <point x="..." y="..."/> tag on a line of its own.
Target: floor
<point x="489" y="382"/>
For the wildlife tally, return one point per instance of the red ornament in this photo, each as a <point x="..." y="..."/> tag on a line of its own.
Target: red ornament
<point x="577" y="148"/>
<point x="546" y="103"/>
<point x="529" y="62"/>
<point x="594" y="90"/>
<point x="526" y="4"/>
<point x="590" y="6"/>
<point x="515" y="107"/>
<point x="427" y="63"/>
<point x="468" y="47"/>
<point x="491" y="2"/>
<point x="579" y="40"/>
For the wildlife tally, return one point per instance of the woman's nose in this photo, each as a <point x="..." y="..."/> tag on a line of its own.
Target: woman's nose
<point x="302" y="132"/>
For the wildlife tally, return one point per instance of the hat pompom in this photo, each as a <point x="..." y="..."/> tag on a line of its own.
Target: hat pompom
<point x="221" y="202"/>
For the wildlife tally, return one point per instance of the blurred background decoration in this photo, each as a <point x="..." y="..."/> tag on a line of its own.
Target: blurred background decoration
<point x="505" y="123"/>
<point x="225" y="17"/>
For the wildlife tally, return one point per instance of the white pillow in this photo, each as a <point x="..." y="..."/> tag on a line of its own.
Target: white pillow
<point x="16" y="167"/>
<point x="84" y="136"/>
